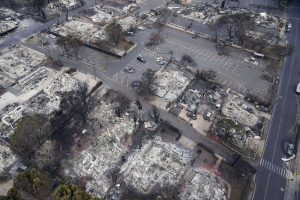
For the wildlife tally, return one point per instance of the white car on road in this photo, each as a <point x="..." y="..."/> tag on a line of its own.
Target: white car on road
<point x="298" y="88"/>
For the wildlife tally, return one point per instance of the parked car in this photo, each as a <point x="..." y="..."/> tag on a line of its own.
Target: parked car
<point x="298" y="88"/>
<point x="192" y="115"/>
<point x="129" y="70"/>
<point x="51" y="36"/>
<point x="288" y="27"/>
<point x="129" y="111"/>
<point x="129" y="33"/>
<point x="207" y="115"/>
<point x="289" y="149"/>
<point x="141" y="59"/>
<point x="158" y="59"/>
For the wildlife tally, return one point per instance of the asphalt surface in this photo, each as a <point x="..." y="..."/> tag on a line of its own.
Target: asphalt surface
<point x="185" y="129"/>
<point x="19" y="36"/>
<point x="116" y="66"/>
<point x="232" y="71"/>
<point x="271" y="177"/>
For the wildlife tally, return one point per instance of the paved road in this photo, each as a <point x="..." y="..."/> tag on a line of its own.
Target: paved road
<point x="186" y="130"/>
<point x="17" y="37"/>
<point x="127" y="78"/>
<point x="114" y="67"/>
<point x="271" y="177"/>
<point x="151" y="4"/>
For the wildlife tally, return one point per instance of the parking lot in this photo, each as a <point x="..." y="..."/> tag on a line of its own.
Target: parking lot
<point x="138" y="67"/>
<point x="233" y="71"/>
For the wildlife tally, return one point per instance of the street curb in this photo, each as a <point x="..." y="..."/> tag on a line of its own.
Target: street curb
<point x="202" y="35"/>
<point x="103" y="68"/>
<point x="231" y="148"/>
<point x="131" y="48"/>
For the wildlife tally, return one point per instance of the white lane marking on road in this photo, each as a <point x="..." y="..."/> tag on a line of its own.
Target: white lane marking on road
<point x="268" y="165"/>
<point x="236" y="72"/>
<point x="274" y="168"/>
<point x="234" y="68"/>
<point x="261" y="88"/>
<point x="265" y="163"/>
<point x="262" y="84"/>
<point x="279" y="169"/>
<point x="261" y="161"/>
<point x="217" y="61"/>
<point x="284" y="173"/>
<point x="205" y="53"/>
<point x="211" y="54"/>
<point x="229" y="84"/>
<point x="218" y="58"/>
<point x="221" y="60"/>
<point x="224" y="82"/>
<point x="281" y="172"/>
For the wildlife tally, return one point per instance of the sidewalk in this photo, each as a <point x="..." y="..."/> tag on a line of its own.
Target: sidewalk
<point x="187" y="130"/>
<point x="292" y="189"/>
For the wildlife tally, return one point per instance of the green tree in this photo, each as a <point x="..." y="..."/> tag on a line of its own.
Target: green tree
<point x="33" y="181"/>
<point x="31" y="132"/>
<point x="70" y="192"/>
<point x="13" y="194"/>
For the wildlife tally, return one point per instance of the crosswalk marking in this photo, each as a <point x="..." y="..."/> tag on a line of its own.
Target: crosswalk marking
<point x="281" y="171"/>
<point x="268" y="165"/>
<point x="273" y="168"/>
<point x="209" y="55"/>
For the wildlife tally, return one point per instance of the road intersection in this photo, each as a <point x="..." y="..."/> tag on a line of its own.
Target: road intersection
<point x="270" y="184"/>
<point x="272" y="175"/>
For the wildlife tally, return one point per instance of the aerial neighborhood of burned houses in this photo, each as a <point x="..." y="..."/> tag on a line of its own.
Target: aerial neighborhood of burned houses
<point x="146" y="99"/>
